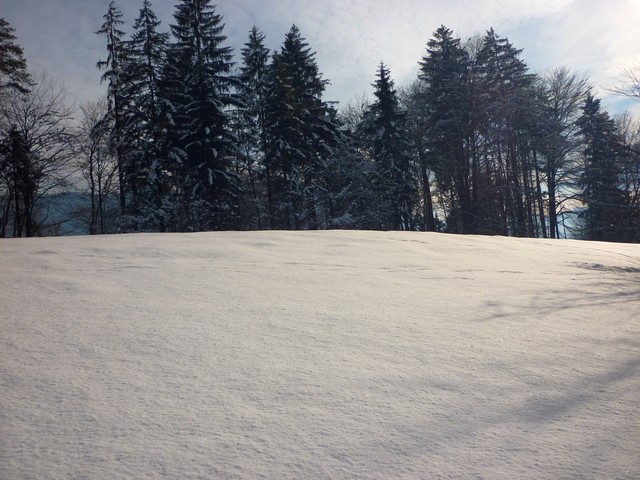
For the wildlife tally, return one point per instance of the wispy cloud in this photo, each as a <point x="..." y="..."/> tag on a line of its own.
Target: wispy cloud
<point x="352" y="37"/>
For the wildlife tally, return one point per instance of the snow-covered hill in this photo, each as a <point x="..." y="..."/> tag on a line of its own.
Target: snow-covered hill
<point x="319" y="355"/>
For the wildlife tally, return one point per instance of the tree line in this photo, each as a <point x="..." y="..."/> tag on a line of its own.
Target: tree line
<point x="186" y="139"/>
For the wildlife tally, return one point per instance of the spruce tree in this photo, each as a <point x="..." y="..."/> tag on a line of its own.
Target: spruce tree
<point x="113" y="74"/>
<point x="384" y="126"/>
<point x="600" y="179"/>
<point x="251" y="128"/>
<point x="197" y="91"/>
<point x="143" y="133"/>
<point x="299" y="134"/>
<point x="350" y="200"/>
<point x="505" y="116"/>
<point x="445" y="71"/>
<point x="13" y="66"/>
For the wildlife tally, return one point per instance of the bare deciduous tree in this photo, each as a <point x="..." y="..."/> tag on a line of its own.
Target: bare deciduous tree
<point x="630" y="82"/>
<point x="565" y="92"/>
<point x="38" y="150"/>
<point x="98" y="165"/>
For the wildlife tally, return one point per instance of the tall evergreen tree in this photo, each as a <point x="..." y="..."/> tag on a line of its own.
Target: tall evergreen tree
<point x="13" y="66"/>
<point x="299" y="134"/>
<point x="384" y="125"/>
<point x="506" y="110"/>
<point x="251" y="129"/>
<point x="600" y="180"/>
<point x="113" y="74"/>
<point x="445" y="71"/>
<point x="197" y="91"/>
<point x="143" y="129"/>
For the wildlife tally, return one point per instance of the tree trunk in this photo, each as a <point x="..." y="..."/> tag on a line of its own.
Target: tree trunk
<point x="543" y="222"/>
<point x="427" y="200"/>
<point x="553" y="215"/>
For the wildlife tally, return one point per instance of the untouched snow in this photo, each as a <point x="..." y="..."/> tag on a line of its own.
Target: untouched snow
<point x="319" y="355"/>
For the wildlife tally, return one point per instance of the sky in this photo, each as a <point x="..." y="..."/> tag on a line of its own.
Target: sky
<point x="319" y="355"/>
<point x="351" y="37"/>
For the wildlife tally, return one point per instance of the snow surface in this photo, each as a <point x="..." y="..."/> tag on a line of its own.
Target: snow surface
<point x="319" y="355"/>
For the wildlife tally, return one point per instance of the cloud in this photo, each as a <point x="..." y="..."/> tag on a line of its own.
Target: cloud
<point x="351" y="37"/>
<point x="592" y="37"/>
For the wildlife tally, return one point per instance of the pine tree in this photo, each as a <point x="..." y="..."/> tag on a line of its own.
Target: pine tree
<point x="251" y="136"/>
<point x="13" y="66"/>
<point x="506" y="112"/>
<point x="143" y="133"/>
<point x="445" y="71"/>
<point x="113" y="68"/>
<point x="600" y="180"/>
<point x="197" y="90"/>
<point x="299" y="134"/>
<point x="350" y="199"/>
<point x="392" y="182"/>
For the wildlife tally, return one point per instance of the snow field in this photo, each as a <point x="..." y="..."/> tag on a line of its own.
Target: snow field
<point x="366" y="355"/>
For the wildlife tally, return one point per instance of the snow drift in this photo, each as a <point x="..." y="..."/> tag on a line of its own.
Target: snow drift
<point x="319" y="355"/>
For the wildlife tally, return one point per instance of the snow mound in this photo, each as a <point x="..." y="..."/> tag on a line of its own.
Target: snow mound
<point x="319" y="355"/>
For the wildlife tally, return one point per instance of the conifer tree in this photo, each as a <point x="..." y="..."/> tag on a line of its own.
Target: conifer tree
<point x="392" y="182"/>
<point x="197" y="90"/>
<point x="506" y="110"/>
<point x="143" y="134"/>
<point x="13" y="66"/>
<point x="600" y="180"/>
<point x="251" y="129"/>
<point x="113" y="74"/>
<point x="350" y="200"/>
<point x="445" y="71"/>
<point x="299" y="134"/>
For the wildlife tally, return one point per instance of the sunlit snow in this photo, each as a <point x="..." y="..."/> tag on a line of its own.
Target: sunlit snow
<point x="319" y="355"/>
